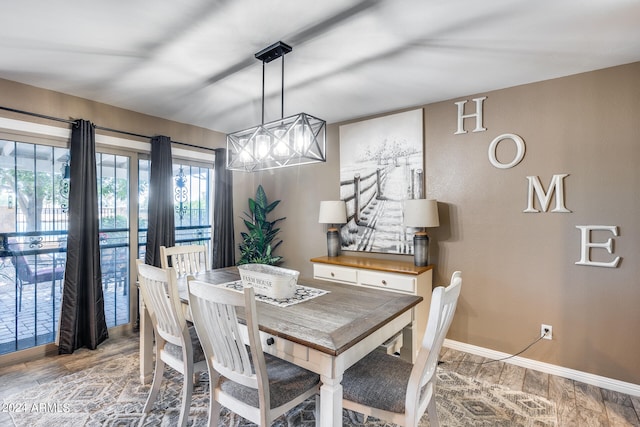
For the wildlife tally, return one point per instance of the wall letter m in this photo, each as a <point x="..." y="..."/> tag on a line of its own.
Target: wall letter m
<point x="544" y="198"/>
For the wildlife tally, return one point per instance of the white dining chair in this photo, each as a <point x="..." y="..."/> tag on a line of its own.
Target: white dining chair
<point x="186" y="259"/>
<point x="255" y="385"/>
<point x="394" y="390"/>
<point x="177" y="344"/>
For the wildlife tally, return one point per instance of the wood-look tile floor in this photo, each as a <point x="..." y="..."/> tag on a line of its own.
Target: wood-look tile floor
<point x="578" y="404"/>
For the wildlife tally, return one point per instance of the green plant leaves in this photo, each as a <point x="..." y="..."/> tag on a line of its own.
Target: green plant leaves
<point x="257" y="242"/>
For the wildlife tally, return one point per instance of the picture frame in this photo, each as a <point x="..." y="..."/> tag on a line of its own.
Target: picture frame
<point x="381" y="165"/>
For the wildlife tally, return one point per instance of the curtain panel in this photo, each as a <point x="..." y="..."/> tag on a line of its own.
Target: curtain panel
<point x="161" y="228"/>
<point x="223" y="233"/>
<point x="82" y="317"/>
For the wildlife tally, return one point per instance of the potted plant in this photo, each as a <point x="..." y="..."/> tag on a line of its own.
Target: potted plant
<point x="257" y="246"/>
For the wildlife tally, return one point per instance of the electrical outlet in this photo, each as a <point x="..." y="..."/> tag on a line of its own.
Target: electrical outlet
<point x="546" y="331"/>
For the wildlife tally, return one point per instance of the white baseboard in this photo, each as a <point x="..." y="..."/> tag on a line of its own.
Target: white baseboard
<point x="585" y="377"/>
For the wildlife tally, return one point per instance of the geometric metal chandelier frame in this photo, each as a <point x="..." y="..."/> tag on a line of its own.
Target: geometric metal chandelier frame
<point x="294" y="140"/>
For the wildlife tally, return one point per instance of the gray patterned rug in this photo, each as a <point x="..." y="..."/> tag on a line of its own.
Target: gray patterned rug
<point x="111" y="395"/>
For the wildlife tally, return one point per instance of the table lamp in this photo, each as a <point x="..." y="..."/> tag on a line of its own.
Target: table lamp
<point x="333" y="212"/>
<point x="421" y="213"/>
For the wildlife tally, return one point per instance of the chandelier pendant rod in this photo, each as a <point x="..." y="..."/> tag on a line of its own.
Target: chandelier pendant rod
<point x="282" y="91"/>
<point x="262" y="92"/>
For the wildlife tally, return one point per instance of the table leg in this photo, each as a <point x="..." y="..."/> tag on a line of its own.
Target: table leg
<point x="146" y="345"/>
<point x="331" y="401"/>
<point x="410" y="344"/>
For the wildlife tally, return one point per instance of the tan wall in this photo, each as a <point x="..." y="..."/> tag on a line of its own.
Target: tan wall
<point x="519" y="268"/>
<point x="29" y="98"/>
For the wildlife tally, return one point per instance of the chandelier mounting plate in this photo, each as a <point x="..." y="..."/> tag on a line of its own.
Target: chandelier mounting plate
<point x="274" y="51"/>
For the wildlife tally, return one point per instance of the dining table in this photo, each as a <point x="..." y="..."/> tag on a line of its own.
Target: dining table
<point x="326" y="334"/>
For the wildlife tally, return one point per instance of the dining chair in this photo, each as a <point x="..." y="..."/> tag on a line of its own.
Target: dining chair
<point x="177" y="343"/>
<point x="255" y="385"/>
<point x="186" y="259"/>
<point x="394" y="390"/>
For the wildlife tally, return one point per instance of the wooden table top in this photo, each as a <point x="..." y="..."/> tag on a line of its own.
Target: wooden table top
<point x="330" y="323"/>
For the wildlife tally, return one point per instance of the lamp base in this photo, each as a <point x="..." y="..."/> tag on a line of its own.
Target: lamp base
<point x="421" y="249"/>
<point x="333" y="242"/>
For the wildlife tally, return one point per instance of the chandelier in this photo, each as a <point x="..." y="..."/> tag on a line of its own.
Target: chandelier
<point x="289" y="141"/>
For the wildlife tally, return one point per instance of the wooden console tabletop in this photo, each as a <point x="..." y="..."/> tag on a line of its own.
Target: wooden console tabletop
<point x="391" y="266"/>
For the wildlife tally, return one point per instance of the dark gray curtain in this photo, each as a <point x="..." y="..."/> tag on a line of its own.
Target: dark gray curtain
<point x="82" y="320"/>
<point x="223" y="240"/>
<point x="161" y="228"/>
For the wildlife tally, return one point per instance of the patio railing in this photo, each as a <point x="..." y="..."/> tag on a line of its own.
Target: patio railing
<point x="32" y="278"/>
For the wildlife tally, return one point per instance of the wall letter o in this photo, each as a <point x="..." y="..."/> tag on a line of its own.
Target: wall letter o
<point x="520" y="148"/>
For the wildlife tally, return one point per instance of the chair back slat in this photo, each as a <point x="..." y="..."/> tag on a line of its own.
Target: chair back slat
<point x="443" y="307"/>
<point x="160" y="295"/>
<point x="214" y="315"/>
<point x="23" y="269"/>
<point x="185" y="260"/>
<point x="232" y="356"/>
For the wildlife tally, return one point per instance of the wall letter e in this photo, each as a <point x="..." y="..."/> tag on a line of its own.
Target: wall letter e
<point x="586" y="244"/>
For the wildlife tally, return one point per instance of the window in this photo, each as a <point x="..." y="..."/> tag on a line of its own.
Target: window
<point x="34" y="180"/>
<point x="113" y="202"/>
<point x="34" y="196"/>
<point x="33" y="227"/>
<point x="193" y="185"/>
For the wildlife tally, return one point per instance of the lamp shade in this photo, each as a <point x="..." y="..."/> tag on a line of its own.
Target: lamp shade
<point x="421" y="213"/>
<point x="333" y="212"/>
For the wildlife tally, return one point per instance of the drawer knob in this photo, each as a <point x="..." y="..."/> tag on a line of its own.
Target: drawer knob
<point x="270" y="341"/>
<point x="384" y="282"/>
<point x="333" y="274"/>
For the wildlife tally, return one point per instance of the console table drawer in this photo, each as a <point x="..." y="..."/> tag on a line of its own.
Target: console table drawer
<point x="338" y="274"/>
<point x="388" y="281"/>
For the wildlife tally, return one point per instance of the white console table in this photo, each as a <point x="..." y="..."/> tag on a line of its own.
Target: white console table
<point x="394" y="276"/>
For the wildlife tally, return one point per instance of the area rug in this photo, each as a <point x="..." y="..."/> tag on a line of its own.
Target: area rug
<point x="111" y="395"/>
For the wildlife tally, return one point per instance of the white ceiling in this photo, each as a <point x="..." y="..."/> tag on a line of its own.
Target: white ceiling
<point x="193" y="61"/>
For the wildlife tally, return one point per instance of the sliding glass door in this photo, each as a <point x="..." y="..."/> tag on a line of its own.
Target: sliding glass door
<point x="113" y="203"/>
<point x="33" y="231"/>
<point x="34" y="197"/>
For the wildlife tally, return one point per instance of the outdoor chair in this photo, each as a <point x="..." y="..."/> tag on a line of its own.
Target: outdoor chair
<point x="255" y="385"/>
<point x="35" y="274"/>
<point x="391" y="389"/>
<point x="177" y="344"/>
<point x="114" y="266"/>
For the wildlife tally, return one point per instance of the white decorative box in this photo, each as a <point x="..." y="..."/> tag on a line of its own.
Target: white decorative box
<point x="268" y="280"/>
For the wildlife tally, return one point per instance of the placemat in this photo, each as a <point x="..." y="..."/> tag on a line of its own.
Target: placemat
<point x="303" y="293"/>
